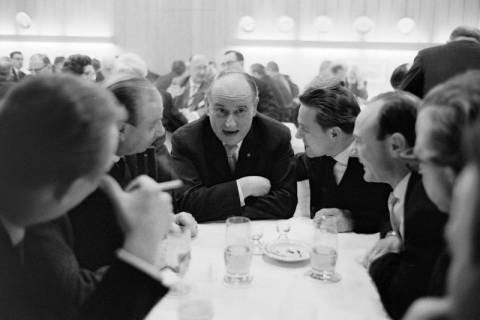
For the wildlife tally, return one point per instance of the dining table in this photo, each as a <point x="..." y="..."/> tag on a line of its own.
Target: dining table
<point x="279" y="290"/>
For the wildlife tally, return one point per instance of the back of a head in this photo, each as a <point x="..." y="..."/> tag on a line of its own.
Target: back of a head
<point x="5" y="67"/>
<point x="398" y="114"/>
<point x="178" y="67"/>
<point x="76" y="63"/>
<point x="453" y="106"/>
<point x="398" y="75"/>
<point x="465" y="31"/>
<point x="336" y="106"/>
<point x="54" y="129"/>
<point x="258" y="68"/>
<point x="238" y="55"/>
<point x="130" y="63"/>
<point x="133" y="93"/>
<point x="273" y="66"/>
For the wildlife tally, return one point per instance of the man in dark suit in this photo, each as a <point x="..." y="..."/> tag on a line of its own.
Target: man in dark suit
<point x="438" y="64"/>
<point x="140" y="129"/>
<point x="267" y="102"/>
<point x="164" y="81"/>
<point x="234" y="161"/>
<point x="5" y="73"/>
<point x="401" y="263"/>
<point x="39" y="276"/>
<point x="192" y="98"/>
<point x="258" y="71"/>
<point x="325" y="123"/>
<point x="17" y="61"/>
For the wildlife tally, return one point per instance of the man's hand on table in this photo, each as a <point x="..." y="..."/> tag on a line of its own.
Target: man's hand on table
<point x="344" y="218"/>
<point x="391" y="243"/>
<point x="254" y="186"/>
<point x="144" y="214"/>
<point x="185" y="220"/>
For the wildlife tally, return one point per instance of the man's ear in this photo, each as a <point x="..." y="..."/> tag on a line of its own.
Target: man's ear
<point x="255" y="105"/>
<point x="397" y="144"/>
<point x="123" y="130"/>
<point x="334" y="132"/>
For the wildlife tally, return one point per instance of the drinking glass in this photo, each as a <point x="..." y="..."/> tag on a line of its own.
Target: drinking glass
<point x="324" y="250"/>
<point x="283" y="227"/>
<point x="178" y="257"/>
<point x="257" y="234"/>
<point x="238" y="251"/>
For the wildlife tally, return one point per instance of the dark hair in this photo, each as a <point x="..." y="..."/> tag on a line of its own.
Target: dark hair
<point x="237" y="54"/>
<point x="465" y="31"/>
<point x="178" y="67"/>
<point x="453" y="105"/>
<point x="258" y="68"/>
<point x="53" y="128"/>
<point x="76" y="63"/>
<point x="248" y="78"/>
<point x="133" y="93"/>
<point x="58" y="59"/>
<point x="336" y="106"/>
<point x="398" y="115"/>
<point x="398" y="75"/>
<point x="14" y="53"/>
<point x="96" y="64"/>
<point x="272" y="65"/>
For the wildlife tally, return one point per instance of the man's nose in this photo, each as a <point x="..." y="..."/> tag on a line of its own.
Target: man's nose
<point x="230" y="122"/>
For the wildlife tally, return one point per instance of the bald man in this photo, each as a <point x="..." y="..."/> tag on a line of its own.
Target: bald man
<point x="192" y="97"/>
<point x="233" y="161"/>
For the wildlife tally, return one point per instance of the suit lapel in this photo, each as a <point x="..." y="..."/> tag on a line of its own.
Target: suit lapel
<point x="215" y="153"/>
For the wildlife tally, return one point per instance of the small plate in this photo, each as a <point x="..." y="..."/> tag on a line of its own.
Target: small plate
<point x="288" y="251"/>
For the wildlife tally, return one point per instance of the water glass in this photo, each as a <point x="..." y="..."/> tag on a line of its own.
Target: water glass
<point x="177" y="257"/>
<point x="238" y="250"/>
<point x="257" y="234"/>
<point x="283" y="228"/>
<point x="324" y="250"/>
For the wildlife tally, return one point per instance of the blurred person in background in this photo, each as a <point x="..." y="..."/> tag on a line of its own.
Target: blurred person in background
<point x="40" y="64"/>
<point x="5" y="76"/>
<point x="58" y="64"/>
<point x="80" y="65"/>
<point x="17" y="65"/>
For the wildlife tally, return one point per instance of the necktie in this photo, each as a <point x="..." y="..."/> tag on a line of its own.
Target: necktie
<point x="231" y="156"/>
<point x="394" y="215"/>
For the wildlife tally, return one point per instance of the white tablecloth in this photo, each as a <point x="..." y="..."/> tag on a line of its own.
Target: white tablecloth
<point x="279" y="289"/>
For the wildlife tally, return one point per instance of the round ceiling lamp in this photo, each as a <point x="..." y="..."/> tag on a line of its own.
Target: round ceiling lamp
<point x="285" y="24"/>
<point x="406" y="25"/>
<point x="363" y="25"/>
<point x="247" y="24"/>
<point x="23" y="20"/>
<point x="323" y="24"/>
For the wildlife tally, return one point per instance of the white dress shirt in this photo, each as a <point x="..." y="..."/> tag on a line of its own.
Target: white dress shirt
<point x="397" y="205"/>
<point x="240" y="192"/>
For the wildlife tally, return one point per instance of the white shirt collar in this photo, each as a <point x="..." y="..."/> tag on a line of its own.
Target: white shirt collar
<point x="15" y="233"/>
<point x="239" y="145"/>
<point x="342" y="157"/>
<point x="401" y="188"/>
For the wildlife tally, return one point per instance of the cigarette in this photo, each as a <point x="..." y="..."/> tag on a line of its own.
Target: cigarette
<point x="169" y="185"/>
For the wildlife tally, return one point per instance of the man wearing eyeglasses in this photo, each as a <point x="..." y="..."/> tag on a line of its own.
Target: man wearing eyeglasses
<point x="40" y="64"/>
<point x="234" y="161"/>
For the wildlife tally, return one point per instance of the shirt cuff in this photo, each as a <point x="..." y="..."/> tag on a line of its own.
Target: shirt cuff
<point x="166" y="276"/>
<point x="240" y="195"/>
